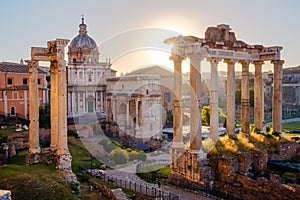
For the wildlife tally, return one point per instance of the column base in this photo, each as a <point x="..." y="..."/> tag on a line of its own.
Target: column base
<point x="63" y="161"/>
<point x="178" y="145"/>
<point x="200" y="154"/>
<point x="32" y="158"/>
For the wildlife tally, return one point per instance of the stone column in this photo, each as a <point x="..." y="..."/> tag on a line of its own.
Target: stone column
<point x="34" y="145"/>
<point x="25" y="104"/>
<point x="127" y="110"/>
<point x="230" y="97"/>
<point x="101" y="102"/>
<point x="245" y="101"/>
<point x="277" y="95"/>
<point x="54" y="104"/>
<point x="96" y="102"/>
<point x="195" y="108"/>
<point x="5" y="103"/>
<point x="214" y="98"/>
<point x="258" y="96"/>
<point x="136" y="113"/>
<point x="177" y="113"/>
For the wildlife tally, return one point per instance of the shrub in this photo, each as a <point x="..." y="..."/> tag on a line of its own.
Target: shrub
<point x="119" y="156"/>
<point x="137" y="155"/>
<point x="108" y="146"/>
<point x="275" y="133"/>
<point x="268" y="129"/>
<point x="117" y="144"/>
<point x="72" y="133"/>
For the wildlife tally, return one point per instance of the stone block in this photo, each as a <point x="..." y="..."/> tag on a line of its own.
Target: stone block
<point x="5" y="195"/>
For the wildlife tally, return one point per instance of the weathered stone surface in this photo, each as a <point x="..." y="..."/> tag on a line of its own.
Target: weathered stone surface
<point x="5" y="195"/>
<point x="286" y="151"/>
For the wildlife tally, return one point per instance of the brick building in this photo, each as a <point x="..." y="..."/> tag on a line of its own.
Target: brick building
<point x="14" y="95"/>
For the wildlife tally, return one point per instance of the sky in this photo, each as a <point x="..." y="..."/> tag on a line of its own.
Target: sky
<point x="131" y="32"/>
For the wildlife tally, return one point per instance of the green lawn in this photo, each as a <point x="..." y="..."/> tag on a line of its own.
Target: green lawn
<point x="291" y="126"/>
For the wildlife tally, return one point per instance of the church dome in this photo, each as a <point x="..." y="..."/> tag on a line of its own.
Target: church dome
<point x="82" y="39"/>
<point x="83" y="49"/>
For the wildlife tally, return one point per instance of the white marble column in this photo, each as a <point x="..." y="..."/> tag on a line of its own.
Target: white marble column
<point x="127" y="110"/>
<point x="96" y="102"/>
<point x="5" y="103"/>
<point x="195" y="108"/>
<point x="277" y="95"/>
<point x="101" y="102"/>
<point x="230" y="97"/>
<point x="25" y="104"/>
<point x="177" y="112"/>
<point x="136" y="113"/>
<point x="62" y="109"/>
<point x="34" y="145"/>
<point x="214" y="99"/>
<point x="258" y="96"/>
<point x="245" y="101"/>
<point x="54" y="105"/>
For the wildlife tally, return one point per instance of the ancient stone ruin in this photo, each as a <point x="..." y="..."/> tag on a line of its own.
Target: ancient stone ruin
<point x="189" y="165"/>
<point x="59" y="152"/>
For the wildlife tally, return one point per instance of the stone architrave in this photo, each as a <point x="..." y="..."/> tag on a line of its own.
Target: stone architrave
<point x="214" y="104"/>
<point x="230" y="97"/>
<point x="34" y="146"/>
<point x="177" y="112"/>
<point x="277" y="95"/>
<point x="245" y="100"/>
<point x="258" y="96"/>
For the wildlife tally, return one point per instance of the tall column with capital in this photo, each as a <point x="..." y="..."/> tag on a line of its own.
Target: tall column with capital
<point x="54" y="104"/>
<point x="62" y="107"/>
<point x="34" y="145"/>
<point x="277" y="95"/>
<point x="258" y="96"/>
<point x="177" y="113"/>
<point x="230" y="98"/>
<point x="245" y="101"/>
<point x="195" y="109"/>
<point x="214" y="99"/>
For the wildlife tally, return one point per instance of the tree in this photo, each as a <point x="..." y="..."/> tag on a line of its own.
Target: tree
<point x="206" y="116"/>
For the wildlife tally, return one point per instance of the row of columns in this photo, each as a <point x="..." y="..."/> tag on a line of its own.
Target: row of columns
<point x="74" y="101"/>
<point x="195" y="114"/>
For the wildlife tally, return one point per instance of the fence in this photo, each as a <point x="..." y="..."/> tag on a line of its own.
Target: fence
<point x="141" y="188"/>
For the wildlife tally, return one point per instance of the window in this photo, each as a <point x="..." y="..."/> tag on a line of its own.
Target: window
<point x="167" y="97"/>
<point x="80" y="75"/>
<point x="14" y="95"/>
<point x="90" y="78"/>
<point x="25" y="81"/>
<point x="39" y="81"/>
<point x="9" y="81"/>
<point x="12" y="111"/>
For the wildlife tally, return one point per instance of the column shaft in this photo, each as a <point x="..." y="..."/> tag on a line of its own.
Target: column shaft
<point x="177" y="112"/>
<point x="54" y="105"/>
<point x="214" y="105"/>
<point x="245" y="101"/>
<point x="195" y="109"/>
<point x="258" y="96"/>
<point x="230" y="98"/>
<point x="62" y="109"/>
<point x="277" y="95"/>
<point x="34" y="146"/>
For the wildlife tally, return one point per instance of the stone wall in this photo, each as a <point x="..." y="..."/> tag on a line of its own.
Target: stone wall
<point x="286" y="152"/>
<point x="235" y="178"/>
<point x="115" y="194"/>
<point x="189" y="171"/>
<point x="5" y="195"/>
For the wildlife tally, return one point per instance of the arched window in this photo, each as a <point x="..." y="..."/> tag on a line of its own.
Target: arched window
<point x="12" y="111"/>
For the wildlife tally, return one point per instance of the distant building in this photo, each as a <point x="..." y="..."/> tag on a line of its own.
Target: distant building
<point x="166" y="82"/>
<point x="290" y="91"/>
<point x="134" y="106"/>
<point x="14" y="95"/>
<point x="86" y="76"/>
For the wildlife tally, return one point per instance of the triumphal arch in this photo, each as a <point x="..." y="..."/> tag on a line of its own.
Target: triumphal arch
<point x="219" y="44"/>
<point x="54" y="52"/>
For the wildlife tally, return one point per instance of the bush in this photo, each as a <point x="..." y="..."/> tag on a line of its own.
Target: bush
<point x="119" y="156"/>
<point x="137" y="155"/>
<point x="268" y="129"/>
<point x="72" y="133"/>
<point x="108" y="146"/>
<point x="275" y="133"/>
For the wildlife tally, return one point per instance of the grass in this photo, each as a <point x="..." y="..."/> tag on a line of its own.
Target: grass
<point x="291" y="126"/>
<point x="38" y="181"/>
<point x="10" y="130"/>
